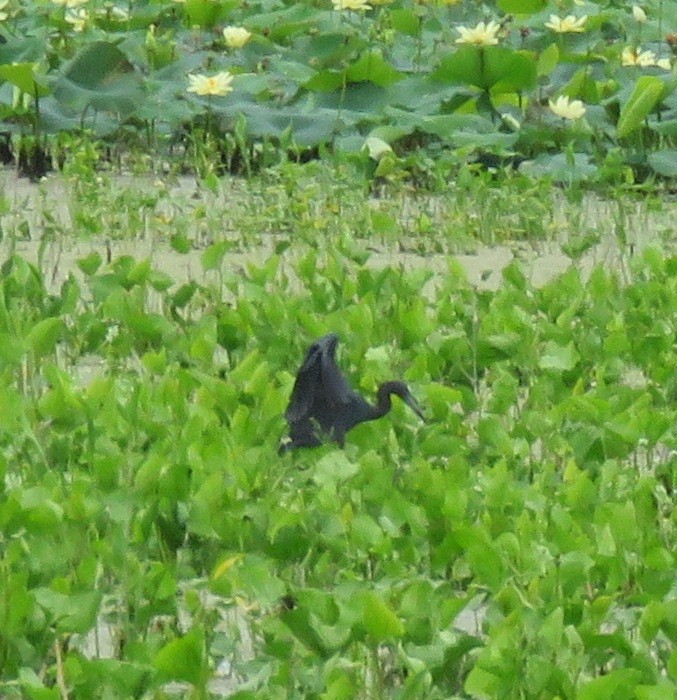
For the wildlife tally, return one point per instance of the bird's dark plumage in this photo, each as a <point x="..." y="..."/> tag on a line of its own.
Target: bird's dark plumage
<point x="323" y="406"/>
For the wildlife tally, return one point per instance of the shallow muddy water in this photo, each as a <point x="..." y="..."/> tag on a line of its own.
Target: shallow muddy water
<point x="36" y="222"/>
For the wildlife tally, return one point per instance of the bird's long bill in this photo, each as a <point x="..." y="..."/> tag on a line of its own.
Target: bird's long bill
<point x="413" y="405"/>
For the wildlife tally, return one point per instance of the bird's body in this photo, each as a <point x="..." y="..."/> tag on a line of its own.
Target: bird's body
<point x="324" y="408"/>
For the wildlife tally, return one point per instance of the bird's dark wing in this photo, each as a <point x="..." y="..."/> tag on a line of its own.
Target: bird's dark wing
<point x="306" y="384"/>
<point x="319" y="382"/>
<point x="335" y="387"/>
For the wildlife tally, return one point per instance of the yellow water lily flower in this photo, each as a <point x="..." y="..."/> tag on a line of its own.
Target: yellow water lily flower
<point x="637" y="57"/>
<point x="219" y="84"/>
<point x="376" y="147"/>
<point x="236" y="37"/>
<point x="568" y="24"/>
<point x="639" y="14"/>
<point x="121" y="14"/>
<point x="77" y="18"/>
<point x="351" y="5"/>
<point x="643" y="59"/>
<point x="567" y="109"/>
<point x="482" y="34"/>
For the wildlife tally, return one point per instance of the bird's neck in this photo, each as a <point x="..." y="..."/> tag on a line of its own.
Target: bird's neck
<point x="383" y="402"/>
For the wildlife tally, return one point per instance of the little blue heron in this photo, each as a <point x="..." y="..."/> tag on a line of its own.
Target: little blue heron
<point x="324" y="408"/>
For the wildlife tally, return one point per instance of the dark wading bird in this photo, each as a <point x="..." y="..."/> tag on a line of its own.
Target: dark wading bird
<point x="324" y="408"/>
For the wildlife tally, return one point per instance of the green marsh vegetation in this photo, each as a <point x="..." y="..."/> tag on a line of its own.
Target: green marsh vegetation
<point x="152" y="542"/>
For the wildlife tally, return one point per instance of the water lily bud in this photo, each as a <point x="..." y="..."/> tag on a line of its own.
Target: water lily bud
<point x="376" y="147"/>
<point x="236" y="37"/>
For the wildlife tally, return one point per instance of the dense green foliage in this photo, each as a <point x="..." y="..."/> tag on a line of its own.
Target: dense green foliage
<point x="142" y="495"/>
<point x="311" y="77"/>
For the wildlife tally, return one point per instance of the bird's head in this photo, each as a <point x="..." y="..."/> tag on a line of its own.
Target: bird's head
<point x="402" y="390"/>
<point x="332" y="341"/>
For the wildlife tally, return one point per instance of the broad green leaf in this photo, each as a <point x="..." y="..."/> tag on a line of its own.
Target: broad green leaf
<point x="416" y="324"/>
<point x="482" y="557"/>
<point x="255" y="580"/>
<point x="646" y="95"/>
<point x="561" y="358"/>
<point x="319" y="623"/>
<point x="405" y="20"/>
<point x="667" y="127"/>
<point x="481" y="683"/>
<point x="22" y="49"/>
<point x="181" y="243"/>
<point x="552" y="629"/>
<point x="578" y="245"/>
<point x="284" y="22"/>
<point x="90" y="263"/>
<point x="213" y="255"/>
<point x="581" y="87"/>
<point x="669" y="624"/>
<point x="379" y="620"/>
<point x="325" y="81"/>
<point x="101" y="77"/>
<point x="34" y="687"/>
<point x="490" y="68"/>
<point x="473" y="139"/>
<point x="372" y="67"/>
<point x="75" y="613"/>
<point x="160" y="281"/>
<point x="547" y="60"/>
<point x="259" y="380"/>
<point x="365" y="532"/>
<point x="539" y="670"/>
<point x="664" y="162"/>
<point x="203" y="345"/>
<point x="491" y="431"/>
<point x="139" y="272"/>
<point x="651" y="620"/>
<point x="663" y="690"/>
<point x="334" y="467"/>
<point x="606" y="545"/>
<point x="183" y="659"/>
<point x="96" y="63"/>
<point x="202" y="13"/>
<point x="522" y="7"/>
<point x="44" y="512"/>
<point x="23" y="76"/>
<point x="616" y="685"/>
<point x="42" y="338"/>
<point x="672" y="664"/>
<point x="301" y="624"/>
<point x="561" y="167"/>
<point x="11" y="349"/>
<point x="441" y="399"/>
